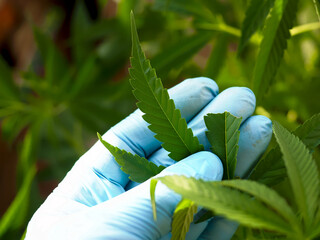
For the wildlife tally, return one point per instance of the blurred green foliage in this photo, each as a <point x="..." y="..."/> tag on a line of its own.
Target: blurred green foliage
<point x="57" y="105"/>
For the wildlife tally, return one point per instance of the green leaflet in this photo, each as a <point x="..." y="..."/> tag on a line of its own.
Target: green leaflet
<point x="270" y="170"/>
<point x="267" y="196"/>
<point x="217" y="57"/>
<point x="160" y="112"/>
<point x="182" y="218"/>
<point x="56" y="65"/>
<point x="85" y="76"/>
<point x="223" y="134"/>
<point x="191" y="7"/>
<point x="176" y="54"/>
<point x="215" y="7"/>
<point x="256" y="13"/>
<point x="80" y="23"/>
<point x="309" y="132"/>
<point x="138" y="168"/>
<point x="302" y="172"/>
<point x="275" y="35"/>
<point x="229" y="202"/>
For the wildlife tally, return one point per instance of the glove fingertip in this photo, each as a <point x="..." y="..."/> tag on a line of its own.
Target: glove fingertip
<point x="202" y="165"/>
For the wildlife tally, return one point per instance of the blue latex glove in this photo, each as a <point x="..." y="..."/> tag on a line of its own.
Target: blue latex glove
<point x="96" y="200"/>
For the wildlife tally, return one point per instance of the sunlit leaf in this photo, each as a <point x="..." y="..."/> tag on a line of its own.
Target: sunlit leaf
<point x="302" y="172"/>
<point x="160" y="111"/>
<point x="229" y="202"/>
<point x="270" y="169"/>
<point x="256" y="13"/>
<point x="266" y="195"/>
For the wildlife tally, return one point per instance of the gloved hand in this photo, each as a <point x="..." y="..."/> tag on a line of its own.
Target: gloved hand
<point x="96" y="200"/>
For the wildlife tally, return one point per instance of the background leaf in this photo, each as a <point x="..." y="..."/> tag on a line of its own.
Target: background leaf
<point x="176" y="54"/>
<point x="274" y="42"/>
<point x="56" y="65"/>
<point x="191" y="7"/>
<point x="217" y="56"/>
<point x="256" y="13"/>
<point x="309" y="132"/>
<point x="7" y="88"/>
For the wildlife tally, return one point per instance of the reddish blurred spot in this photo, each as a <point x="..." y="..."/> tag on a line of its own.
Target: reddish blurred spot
<point x="233" y="47"/>
<point x="122" y="73"/>
<point x="110" y="10"/>
<point x="46" y="187"/>
<point x="201" y="58"/>
<point x="8" y="19"/>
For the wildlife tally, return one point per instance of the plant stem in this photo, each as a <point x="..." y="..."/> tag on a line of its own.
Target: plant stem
<point x="305" y="28"/>
<point x="221" y="27"/>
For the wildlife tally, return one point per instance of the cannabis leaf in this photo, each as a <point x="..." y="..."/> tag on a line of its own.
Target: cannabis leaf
<point x="266" y="195"/>
<point x="182" y="218"/>
<point x="274" y="42"/>
<point x="302" y="172"/>
<point x="191" y="7"/>
<point x="56" y="65"/>
<point x="270" y="169"/>
<point x="138" y="168"/>
<point x="223" y="134"/>
<point x="309" y="132"/>
<point x="160" y="112"/>
<point x="256" y="13"/>
<point x="236" y="205"/>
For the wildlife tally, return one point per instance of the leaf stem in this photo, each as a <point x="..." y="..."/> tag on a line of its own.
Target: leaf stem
<point x="304" y="28"/>
<point x="221" y="27"/>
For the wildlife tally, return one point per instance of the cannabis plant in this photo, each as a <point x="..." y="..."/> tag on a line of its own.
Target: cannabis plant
<point x="248" y="201"/>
